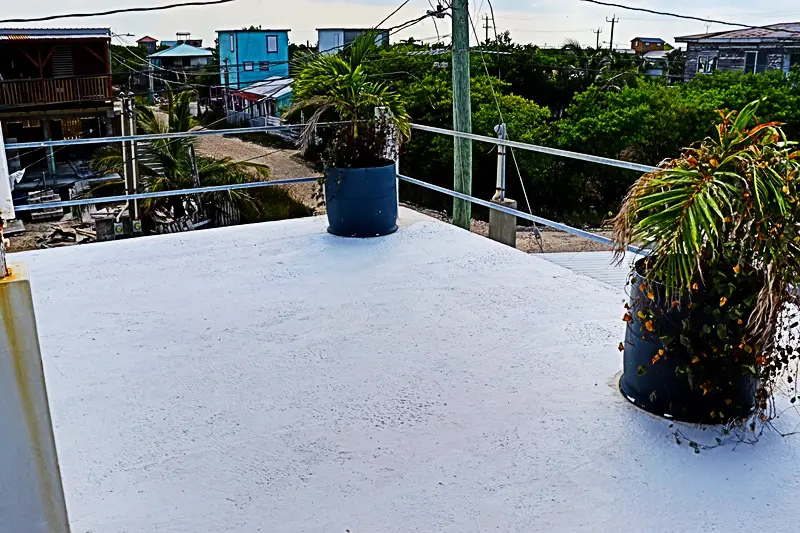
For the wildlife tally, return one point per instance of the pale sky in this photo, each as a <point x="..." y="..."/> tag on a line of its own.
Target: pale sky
<point x="537" y="21"/>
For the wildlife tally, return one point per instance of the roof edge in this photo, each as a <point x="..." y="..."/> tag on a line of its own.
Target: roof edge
<point x="265" y="30"/>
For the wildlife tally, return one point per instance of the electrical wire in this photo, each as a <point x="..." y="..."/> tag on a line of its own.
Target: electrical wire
<point x="116" y="11"/>
<point x="690" y="17"/>
<point x="390" y="15"/>
<point x="397" y="28"/>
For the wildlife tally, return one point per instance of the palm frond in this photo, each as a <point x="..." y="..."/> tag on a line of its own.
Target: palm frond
<point x="733" y="196"/>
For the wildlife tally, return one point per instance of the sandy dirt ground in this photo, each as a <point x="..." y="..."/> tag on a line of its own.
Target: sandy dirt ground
<point x="283" y="164"/>
<point x="27" y="240"/>
<point x="551" y="240"/>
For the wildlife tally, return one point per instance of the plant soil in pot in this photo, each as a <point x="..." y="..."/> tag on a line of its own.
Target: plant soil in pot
<point x="670" y="367"/>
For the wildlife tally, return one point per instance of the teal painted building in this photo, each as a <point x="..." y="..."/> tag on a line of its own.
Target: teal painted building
<point x="249" y="56"/>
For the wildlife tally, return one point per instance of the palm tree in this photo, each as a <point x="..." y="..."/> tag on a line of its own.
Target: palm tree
<point x="606" y="69"/>
<point x="340" y="83"/>
<point x="174" y="170"/>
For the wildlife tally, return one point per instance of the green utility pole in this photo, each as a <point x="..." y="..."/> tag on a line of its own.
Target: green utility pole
<point x="462" y="113"/>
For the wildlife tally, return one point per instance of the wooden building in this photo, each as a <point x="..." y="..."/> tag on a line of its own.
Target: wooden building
<point x="750" y="50"/>
<point x="54" y="84"/>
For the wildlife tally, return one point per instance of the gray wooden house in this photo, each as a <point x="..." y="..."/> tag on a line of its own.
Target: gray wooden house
<point x="774" y="47"/>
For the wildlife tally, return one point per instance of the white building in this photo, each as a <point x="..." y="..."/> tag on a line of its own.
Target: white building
<point x="331" y="40"/>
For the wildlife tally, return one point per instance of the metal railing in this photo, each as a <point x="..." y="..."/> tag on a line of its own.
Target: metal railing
<point x="541" y="149"/>
<point x="502" y="141"/>
<point x="163" y="194"/>
<point x="266" y="129"/>
<point x="155" y="136"/>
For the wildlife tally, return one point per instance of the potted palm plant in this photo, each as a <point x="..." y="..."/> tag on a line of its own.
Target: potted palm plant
<point x="710" y="322"/>
<point x="360" y="176"/>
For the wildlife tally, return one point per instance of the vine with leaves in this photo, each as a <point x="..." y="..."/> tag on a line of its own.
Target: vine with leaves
<point x="722" y="222"/>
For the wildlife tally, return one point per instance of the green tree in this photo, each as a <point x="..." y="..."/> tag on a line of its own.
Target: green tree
<point x="172" y="155"/>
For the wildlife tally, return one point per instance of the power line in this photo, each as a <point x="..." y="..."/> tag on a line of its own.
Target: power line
<point x="499" y="111"/>
<point x="390" y="15"/>
<point x="115" y="11"/>
<point x="690" y="17"/>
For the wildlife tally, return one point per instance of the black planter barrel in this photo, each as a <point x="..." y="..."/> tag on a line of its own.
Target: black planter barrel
<point x="657" y="388"/>
<point x="361" y="202"/>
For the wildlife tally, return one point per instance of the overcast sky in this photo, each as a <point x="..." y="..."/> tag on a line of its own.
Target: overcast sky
<point x="537" y="21"/>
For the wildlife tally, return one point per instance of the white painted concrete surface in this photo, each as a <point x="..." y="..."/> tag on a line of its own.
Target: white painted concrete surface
<point x="31" y="496"/>
<point x="276" y="378"/>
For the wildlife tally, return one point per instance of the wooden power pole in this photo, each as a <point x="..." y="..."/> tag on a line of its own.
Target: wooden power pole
<point x="597" y="32"/>
<point x="462" y="114"/>
<point x="613" y="22"/>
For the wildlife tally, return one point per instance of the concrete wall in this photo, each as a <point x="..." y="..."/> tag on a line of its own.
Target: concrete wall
<point x="251" y="46"/>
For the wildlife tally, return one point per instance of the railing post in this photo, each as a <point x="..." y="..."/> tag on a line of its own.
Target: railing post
<point x="134" y="177"/>
<point x="31" y="493"/>
<point x="500" y="192"/>
<point x="502" y="226"/>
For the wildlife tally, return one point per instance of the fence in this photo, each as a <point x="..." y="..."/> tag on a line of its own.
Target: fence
<point x="284" y="128"/>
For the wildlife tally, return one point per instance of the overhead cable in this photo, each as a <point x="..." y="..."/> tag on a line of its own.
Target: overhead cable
<point x="116" y="11"/>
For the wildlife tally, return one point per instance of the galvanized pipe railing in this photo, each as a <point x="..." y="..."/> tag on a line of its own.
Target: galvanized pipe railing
<point x="541" y="149"/>
<point x="163" y="194"/>
<point x="157" y="136"/>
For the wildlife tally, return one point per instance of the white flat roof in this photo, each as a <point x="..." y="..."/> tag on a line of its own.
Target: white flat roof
<point x="273" y="377"/>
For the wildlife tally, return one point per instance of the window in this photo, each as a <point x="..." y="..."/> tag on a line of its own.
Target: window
<point x="706" y="64"/>
<point x="272" y="44"/>
<point x="232" y="40"/>
<point x="755" y="62"/>
<point x="263" y="65"/>
<point x="248" y="66"/>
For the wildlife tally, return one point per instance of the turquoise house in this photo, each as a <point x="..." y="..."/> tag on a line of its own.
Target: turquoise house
<point x="250" y="56"/>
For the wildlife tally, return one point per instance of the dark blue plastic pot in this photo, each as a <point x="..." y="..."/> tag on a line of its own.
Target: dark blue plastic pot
<point x="658" y="388"/>
<point x="361" y="202"/>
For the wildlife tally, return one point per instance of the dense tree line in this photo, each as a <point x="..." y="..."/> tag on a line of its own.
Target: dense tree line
<point x="572" y="98"/>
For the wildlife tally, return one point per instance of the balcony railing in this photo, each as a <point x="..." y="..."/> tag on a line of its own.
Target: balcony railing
<point x="54" y="90"/>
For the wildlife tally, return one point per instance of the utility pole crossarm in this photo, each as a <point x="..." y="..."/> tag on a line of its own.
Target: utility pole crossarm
<point x="597" y="33"/>
<point x="614" y="19"/>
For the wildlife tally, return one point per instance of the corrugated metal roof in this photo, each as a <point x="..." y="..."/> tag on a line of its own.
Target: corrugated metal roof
<point x="658" y="54"/>
<point x="254" y="31"/>
<point x="146" y="39"/>
<point x="25" y="34"/>
<point x="182" y="50"/>
<point x="649" y="39"/>
<point x="273" y="87"/>
<point x="377" y="30"/>
<point x="783" y="31"/>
